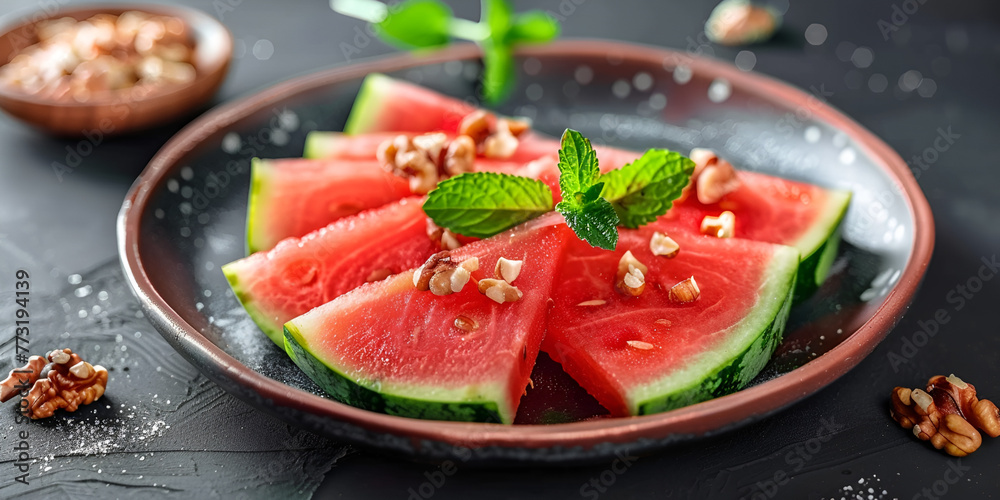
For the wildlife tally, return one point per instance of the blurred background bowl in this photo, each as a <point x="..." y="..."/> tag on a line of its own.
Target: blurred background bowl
<point x="119" y="111"/>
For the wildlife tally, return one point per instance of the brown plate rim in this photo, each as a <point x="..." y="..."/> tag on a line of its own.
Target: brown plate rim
<point x="699" y="419"/>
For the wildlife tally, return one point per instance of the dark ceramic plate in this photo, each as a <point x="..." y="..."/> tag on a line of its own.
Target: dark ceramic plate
<point x="184" y="217"/>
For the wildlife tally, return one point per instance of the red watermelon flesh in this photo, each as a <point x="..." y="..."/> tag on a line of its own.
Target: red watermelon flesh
<point x="301" y="273"/>
<point x="687" y="352"/>
<point x="388" y="347"/>
<point x="767" y="209"/>
<point x="291" y="197"/>
<point x="363" y="146"/>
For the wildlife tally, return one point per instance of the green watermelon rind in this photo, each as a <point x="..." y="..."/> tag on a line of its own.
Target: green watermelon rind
<point x="368" y="105"/>
<point x="233" y="272"/>
<point x="464" y="404"/>
<point x="749" y="345"/>
<point x="321" y="144"/>
<point x="818" y="245"/>
<point x="258" y="208"/>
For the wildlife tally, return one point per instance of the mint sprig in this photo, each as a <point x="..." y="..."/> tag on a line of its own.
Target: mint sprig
<point x="645" y="189"/>
<point x="430" y="24"/>
<point x="482" y="204"/>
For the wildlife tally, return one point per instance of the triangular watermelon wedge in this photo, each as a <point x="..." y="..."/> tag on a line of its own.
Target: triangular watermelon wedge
<point x="291" y="197"/>
<point x="302" y="273"/>
<point x="320" y="144"/>
<point x="390" y="348"/>
<point x="775" y="210"/>
<point x="412" y="108"/>
<point x="648" y="354"/>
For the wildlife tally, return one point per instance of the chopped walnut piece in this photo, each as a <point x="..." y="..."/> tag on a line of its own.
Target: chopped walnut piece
<point x="389" y="150"/>
<point x="442" y="276"/>
<point x="421" y="171"/>
<point x="702" y="158"/>
<point x="663" y="245"/>
<point x="459" y="277"/>
<point x="20" y="380"/>
<point x="631" y="277"/>
<point x="444" y="238"/>
<point x="440" y="283"/>
<point x="638" y="344"/>
<point x="448" y="240"/>
<point x="460" y="157"/>
<point x="948" y="414"/>
<point x="716" y="181"/>
<point x="507" y="270"/>
<point x="499" y="290"/>
<point x="471" y="264"/>
<point x="712" y="179"/>
<point x="59" y="356"/>
<point x="722" y="226"/>
<point x="516" y="127"/>
<point x="500" y="146"/>
<point x="423" y="274"/>
<point x="425" y="158"/>
<point x="496" y="138"/>
<point x="433" y="145"/>
<point x="685" y="291"/>
<point x="476" y="125"/>
<point x="65" y="382"/>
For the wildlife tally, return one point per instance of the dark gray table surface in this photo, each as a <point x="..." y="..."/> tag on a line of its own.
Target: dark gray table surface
<point x="218" y="447"/>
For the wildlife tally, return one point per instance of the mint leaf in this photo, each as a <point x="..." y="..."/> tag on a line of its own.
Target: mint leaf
<point x="577" y="164"/>
<point x="594" y="222"/>
<point x="417" y="24"/>
<point x="589" y="215"/>
<point x="482" y="204"/>
<point x="646" y="188"/>
<point x="533" y="27"/>
<point x="497" y="15"/>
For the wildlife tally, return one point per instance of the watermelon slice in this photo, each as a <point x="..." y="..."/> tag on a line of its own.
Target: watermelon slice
<point x="776" y="210"/>
<point x="386" y="107"/>
<point x="648" y="354"/>
<point x="767" y="208"/>
<point x="412" y="108"/>
<point x="387" y="347"/>
<point x="362" y="147"/>
<point x="291" y="197"/>
<point x="302" y="273"/>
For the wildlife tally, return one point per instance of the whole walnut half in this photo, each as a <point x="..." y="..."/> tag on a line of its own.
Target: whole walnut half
<point x="65" y="382"/>
<point x="948" y="414"/>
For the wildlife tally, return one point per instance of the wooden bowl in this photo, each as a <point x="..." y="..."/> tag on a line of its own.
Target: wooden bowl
<point x="127" y="109"/>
